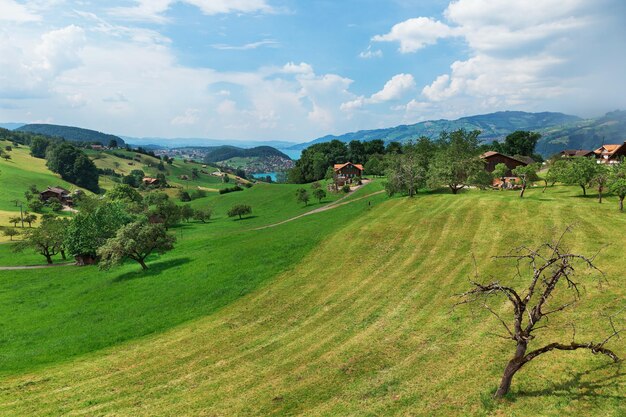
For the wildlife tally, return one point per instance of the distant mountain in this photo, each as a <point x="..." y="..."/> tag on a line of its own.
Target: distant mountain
<point x="584" y="134"/>
<point x="70" y="133"/>
<point x="200" y="142"/>
<point x="11" y="126"/>
<point x="494" y="126"/>
<point x="223" y="153"/>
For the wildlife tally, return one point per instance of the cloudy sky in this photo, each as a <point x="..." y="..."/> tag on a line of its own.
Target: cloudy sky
<point x="299" y="69"/>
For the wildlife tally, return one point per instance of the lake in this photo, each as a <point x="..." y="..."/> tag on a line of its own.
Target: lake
<point x="263" y="175"/>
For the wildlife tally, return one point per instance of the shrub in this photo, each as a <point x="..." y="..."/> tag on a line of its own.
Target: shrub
<point x="239" y="210"/>
<point x="231" y="189"/>
<point x="345" y="188"/>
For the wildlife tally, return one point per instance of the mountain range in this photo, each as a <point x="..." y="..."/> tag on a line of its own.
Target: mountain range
<point x="559" y="131"/>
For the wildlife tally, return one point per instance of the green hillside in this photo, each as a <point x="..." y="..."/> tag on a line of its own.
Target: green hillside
<point x="223" y="153"/>
<point x="343" y="312"/>
<point x="71" y="133"/>
<point x="493" y="126"/>
<point x="585" y="134"/>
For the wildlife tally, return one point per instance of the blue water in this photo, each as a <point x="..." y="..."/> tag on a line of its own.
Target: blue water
<point x="263" y="175"/>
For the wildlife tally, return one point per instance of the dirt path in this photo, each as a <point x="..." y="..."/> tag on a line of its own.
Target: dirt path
<point x="20" y="268"/>
<point x="327" y="207"/>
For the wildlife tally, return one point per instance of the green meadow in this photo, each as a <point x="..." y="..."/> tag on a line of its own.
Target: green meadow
<point x="348" y="311"/>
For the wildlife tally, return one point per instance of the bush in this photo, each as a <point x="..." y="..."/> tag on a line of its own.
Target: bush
<point x="196" y="194"/>
<point x="345" y="188"/>
<point x="231" y="189"/>
<point x="184" y="196"/>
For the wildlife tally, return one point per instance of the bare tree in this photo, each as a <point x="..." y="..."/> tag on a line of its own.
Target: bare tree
<point x="550" y="264"/>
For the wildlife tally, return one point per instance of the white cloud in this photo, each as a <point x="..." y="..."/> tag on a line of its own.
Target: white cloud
<point x="369" y="53"/>
<point x="415" y="34"/>
<point x="190" y="117"/>
<point x="254" y="45"/>
<point x="301" y="68"/>
<point x="12" y="11"/>
<point x="394" y="89"/>
<point x="153" y="10"/>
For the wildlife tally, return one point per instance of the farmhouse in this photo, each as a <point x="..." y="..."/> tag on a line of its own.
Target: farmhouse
<point x="150" y="181"/>
<point x="57" y="192"/>
<point x="610" y="154"/>
<point x="570" y="153"/>
<point x="346" y="173"/>
<point x="494" y="158"/>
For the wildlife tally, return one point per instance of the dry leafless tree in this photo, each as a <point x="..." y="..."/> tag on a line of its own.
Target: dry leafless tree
<point x="550" y="264"/>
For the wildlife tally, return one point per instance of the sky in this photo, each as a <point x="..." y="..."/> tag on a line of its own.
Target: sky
<point x="299" y="69"/>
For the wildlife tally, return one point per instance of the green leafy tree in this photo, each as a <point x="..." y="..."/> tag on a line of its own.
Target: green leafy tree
<point x="93" y="225"/>
<point x="14" y="220"/>
<point x="617" y="183"/>
<point x="555" y="173"/>
<point x="521" y="142"/>
<point x="580" y="171"/>
<point x="10" y="232"/>
<point x="527" y="174"/>
<point x="73" y="165"/>
<point x="456" y="161"/>
<point x="169" y="213"/>
<point x="47" y="239"/>
<point x="302" y="196"/>
<point x="184" y="195"/>
<point x="124" y="193"/>
<point x="319" y="194"/>
<point x="500" y="172"/>
<point x="30" y="219"/>
<point x="186" y="212"/>
<point x="135" y="241"/>
<point x="239" y="210"/>
<point x="39" y="146"/>
<point x="601" y="179"/>
<point x="202" y="215"/>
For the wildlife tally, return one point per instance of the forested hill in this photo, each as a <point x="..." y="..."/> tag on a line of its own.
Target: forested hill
<point x="493" y="126"/>
<point x="222" y="153"/>
<point x="584" y="134"/>
<point x="70" y="133"/>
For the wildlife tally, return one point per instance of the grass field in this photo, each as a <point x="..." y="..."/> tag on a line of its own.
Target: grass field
<point x="345" y="312"/>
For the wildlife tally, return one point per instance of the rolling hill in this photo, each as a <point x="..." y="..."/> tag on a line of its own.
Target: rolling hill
<point x="311" y="322"/>
<point x="494" y="126"/>
<point x="223" y="153"/>
<point x="70" y="133"/>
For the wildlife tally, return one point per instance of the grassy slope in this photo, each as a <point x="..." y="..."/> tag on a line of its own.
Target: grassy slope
<point x="83" y="309"/>
<point x="361" y="326"/>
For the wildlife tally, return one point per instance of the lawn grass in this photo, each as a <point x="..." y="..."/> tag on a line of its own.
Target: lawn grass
<point x="83" y="309"/>
<point x="346" y="312"/>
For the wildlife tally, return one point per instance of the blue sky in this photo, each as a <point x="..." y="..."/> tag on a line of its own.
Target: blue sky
<point x="296" y="70"/>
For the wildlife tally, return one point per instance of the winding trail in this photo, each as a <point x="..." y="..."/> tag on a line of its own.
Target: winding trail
<point x="327" y="207"/>
<point x="20" y="268"/>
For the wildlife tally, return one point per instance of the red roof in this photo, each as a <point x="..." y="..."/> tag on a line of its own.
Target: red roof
<point x="341" y="166"/>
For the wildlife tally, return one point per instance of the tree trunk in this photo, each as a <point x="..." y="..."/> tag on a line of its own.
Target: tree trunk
<point x="143" y="264"/>
<point x="48" y="258"/>
<point x="600" y="189"/>
<point x="63" y="254"/>
<point x="584" y="190"/>
<point x="511" y="369"/>
<point x="454" y="189"/>
<point x="621" y="204"/>
<point x="521" y="194"/>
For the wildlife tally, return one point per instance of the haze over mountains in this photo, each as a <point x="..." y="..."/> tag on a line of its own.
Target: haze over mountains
<point x="559" y="131"/>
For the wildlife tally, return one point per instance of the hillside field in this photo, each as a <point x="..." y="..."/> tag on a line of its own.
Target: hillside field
<point x="343" y="312"/>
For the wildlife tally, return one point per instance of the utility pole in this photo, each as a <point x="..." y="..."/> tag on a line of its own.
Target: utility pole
<point x="21" y="215"/>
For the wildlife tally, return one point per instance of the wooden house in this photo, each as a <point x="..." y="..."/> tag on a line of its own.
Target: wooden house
<point x="611" y="154"/>
<point x="58" y="193"/>
<point x="347" y="173"/>
<point x="492" y="159"/>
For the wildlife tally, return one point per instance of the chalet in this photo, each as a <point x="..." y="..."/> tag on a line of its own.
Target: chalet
<point x="57" y="192"/>
<point x="150" y="181"/>
<point x="346" y="173"/>
<point x="611" y="154"/>
<point x="98" y="147"/>
<point x="570" y="153"/>
<point x="494" y="158"/>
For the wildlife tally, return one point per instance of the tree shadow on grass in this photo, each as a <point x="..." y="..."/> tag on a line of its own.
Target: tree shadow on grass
<point x="576" y="389"/>
<point x="153" y="269"/>
<point x="245" y="218"/>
